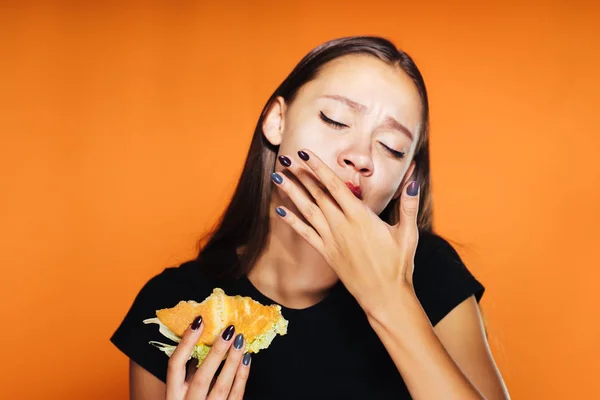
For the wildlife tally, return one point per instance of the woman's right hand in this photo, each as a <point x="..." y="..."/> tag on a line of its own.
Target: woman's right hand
<point x="231" y="382"/>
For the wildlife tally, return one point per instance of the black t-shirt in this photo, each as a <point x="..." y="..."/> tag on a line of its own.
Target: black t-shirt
<point x="330" y="350"/>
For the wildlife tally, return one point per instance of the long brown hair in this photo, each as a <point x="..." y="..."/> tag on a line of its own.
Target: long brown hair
<point x="245" y="223"/>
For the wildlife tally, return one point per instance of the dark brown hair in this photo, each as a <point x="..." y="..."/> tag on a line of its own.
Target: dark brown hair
<point x="245" y="223"/>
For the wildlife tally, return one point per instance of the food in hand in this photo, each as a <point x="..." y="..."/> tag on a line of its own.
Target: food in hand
<point x="258" y="323"/>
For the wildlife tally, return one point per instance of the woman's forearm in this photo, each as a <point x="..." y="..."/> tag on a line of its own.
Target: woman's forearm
<point x="426" y="367"/>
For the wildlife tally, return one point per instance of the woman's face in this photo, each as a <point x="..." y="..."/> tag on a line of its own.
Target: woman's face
<point x="361" y="117"/>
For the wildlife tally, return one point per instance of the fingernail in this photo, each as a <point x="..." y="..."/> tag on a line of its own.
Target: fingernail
<point x="286" y="162"/>
<point x="280" y="211"/>
<point x="303" y="155"/>
<point x="228" y="333"/>
<point x="196" y="323"/>
<point x="277" y="178"/>
<point x="413" y="188"/>
<point x="246" y="359"/>
<point x="239" y="341"/>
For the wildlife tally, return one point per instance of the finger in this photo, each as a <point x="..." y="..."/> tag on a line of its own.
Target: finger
<point x="241" y="377"/>
<point x="409" y="203"/>
<point x="409" y="211"/>
<point x="201" y="382"/>
<point x="310" y="211"/>
<point x="335" y="186"/>
<point x="302" y="229"/>
<point x="222" y="387"/>
<point x="331" y="210"/>
<point x="177" y="362"/>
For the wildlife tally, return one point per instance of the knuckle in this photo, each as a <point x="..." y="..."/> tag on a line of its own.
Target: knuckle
<point x="337" y="224"/>
<point x="309" y="211"/>
<point x="185" y="341"/>
<point x="202" y="379"/>
<point x="219" y="391"/>
<point x="319" y="194"/>
<point x="220" y="350"/>
<point x="313" y="210"/>
<point x="305" y="234"/>
<point x="187" y="338"/>
<point x="334" y="185"/>
<point x="411" y="210"/>
<point x="235" y="395"/>
<point x="173" y="361"/>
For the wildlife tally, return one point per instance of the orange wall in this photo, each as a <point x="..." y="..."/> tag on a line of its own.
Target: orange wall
<point x="124" y="129"/>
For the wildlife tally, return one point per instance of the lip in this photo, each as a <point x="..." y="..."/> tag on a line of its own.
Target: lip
<point x="355" y="190"/>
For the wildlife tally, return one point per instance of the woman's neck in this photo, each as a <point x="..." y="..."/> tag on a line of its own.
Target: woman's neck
<point x="290" y="271"/>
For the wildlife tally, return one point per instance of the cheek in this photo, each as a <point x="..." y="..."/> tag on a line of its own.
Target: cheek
<point x="384" y="186"/>
<point x="312" y="135"/>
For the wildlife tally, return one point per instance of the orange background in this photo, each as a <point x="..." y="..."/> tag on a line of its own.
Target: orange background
<point x="124" y="128"/>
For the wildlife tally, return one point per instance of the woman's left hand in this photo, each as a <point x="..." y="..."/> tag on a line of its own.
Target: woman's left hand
<point x="372" y="258"/>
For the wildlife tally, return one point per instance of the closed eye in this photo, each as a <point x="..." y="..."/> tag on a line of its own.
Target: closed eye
<point x="329" y="121"/>
<point x="395" y="153"/>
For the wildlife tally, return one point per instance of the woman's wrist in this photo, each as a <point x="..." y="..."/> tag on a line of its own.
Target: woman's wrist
<point x="400" y="318"/>
<point x="394" y="304"/>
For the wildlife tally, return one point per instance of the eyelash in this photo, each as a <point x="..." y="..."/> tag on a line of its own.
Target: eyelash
<point x="395" y="153"/>
<point x="329" y="121"/>
<point x="339" y="125"/>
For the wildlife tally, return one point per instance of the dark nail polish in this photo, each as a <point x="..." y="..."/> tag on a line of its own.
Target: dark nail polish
<point x="239" y="341"/>
<point x="303" y="155"/>
<point x="413" y="188"/>
<point x="196" y="323"/>
<point x="228" y="333"/>
<point x="286" y="162"/>
<point x="277" y="178"/>
<point x="280" y="211"/>
<point x="246" y="359"/>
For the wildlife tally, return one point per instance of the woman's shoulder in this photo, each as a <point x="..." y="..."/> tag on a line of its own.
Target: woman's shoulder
<point x="163" y="290"/>
<point x="441" y="279"/>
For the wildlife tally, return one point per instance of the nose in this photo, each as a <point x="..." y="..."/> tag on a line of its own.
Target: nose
<point x="358" y="158"/>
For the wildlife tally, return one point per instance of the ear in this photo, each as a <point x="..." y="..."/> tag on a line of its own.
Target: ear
<point x="274" y="121"/>
<point x="407" y="176"/>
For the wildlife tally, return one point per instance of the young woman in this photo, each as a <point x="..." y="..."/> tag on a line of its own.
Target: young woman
<point x="331" y="219"/>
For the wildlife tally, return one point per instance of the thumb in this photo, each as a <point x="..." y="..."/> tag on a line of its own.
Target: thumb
<point x="409" y="208"/>
<point x="408" y="228"/>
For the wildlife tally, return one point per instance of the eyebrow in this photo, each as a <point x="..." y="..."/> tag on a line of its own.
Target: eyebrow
<point x="389" y="121"/>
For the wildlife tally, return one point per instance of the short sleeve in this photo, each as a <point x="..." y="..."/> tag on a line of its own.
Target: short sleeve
<point x="132" y="336"/>
<point x="441" y="279"/>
